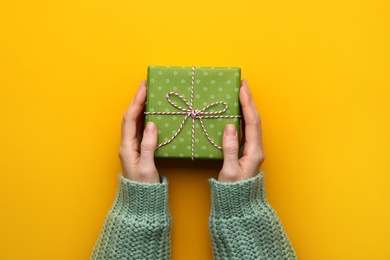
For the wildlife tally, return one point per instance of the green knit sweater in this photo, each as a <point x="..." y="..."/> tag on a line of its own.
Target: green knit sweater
<point x="242" y="223"/>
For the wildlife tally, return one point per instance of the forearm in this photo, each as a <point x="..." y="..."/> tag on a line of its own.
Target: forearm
<point x="243" y="225"/>
<point x="138" y="225"/>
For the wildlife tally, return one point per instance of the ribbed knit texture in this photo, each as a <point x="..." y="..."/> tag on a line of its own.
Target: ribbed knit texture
<point x="243" y="225"/>
<point x="138" y="225"/>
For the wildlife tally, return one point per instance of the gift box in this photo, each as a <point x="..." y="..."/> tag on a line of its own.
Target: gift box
<point x="191" y="107"/>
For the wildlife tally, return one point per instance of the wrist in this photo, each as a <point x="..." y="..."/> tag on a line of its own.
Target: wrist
<point x="144" y="175"/>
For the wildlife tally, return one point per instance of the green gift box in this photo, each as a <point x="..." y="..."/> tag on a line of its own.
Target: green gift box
<point x="191" y="107"/>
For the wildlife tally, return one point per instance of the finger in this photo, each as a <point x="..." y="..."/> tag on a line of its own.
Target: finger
<point x="243" y="140"/>
<point x="140" y="125"/>
<point x="230" y="148"/>
<point x="131" y="123"/>
<point x="252" y="121"/>
<point x="148" y="145"/>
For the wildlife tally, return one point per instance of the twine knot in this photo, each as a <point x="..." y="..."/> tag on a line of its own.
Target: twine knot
<point x="194" y="113"/>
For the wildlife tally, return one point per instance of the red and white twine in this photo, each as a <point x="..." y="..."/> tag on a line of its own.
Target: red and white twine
<point x="195" y="114"/>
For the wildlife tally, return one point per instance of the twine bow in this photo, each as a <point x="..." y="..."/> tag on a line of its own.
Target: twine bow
<point x="194" y="114"/>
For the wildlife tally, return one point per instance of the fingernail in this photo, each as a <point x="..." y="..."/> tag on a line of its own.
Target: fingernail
<point x="244" y="82"/>
<point x="150" y="129"/>
<point x="230" y="130"/>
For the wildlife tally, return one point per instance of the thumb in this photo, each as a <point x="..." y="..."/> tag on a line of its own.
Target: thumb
<point x="148" y="145"/>
<point x="230" y="167"/>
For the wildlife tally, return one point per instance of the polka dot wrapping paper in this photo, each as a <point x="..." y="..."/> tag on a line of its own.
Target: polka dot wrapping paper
<point x="191" y="107"/>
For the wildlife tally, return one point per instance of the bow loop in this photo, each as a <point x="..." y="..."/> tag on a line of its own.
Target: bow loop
<point x="176" y="105"/>
<point x="215" y="104"/>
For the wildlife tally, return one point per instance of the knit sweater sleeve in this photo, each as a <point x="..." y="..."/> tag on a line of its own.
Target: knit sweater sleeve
<point x="138" y="225"/>
<point x="243" y="225"/>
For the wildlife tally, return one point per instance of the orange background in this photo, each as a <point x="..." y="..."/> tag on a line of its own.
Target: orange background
<point x="319" y="72"/>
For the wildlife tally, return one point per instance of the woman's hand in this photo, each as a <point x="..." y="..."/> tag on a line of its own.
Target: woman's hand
<point x="252" y="154"/>
<point x="138" y="144"/>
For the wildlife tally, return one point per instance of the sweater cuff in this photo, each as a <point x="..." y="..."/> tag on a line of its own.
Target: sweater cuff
<point x="141" y="200"/>
<point x="237" y="199"/>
